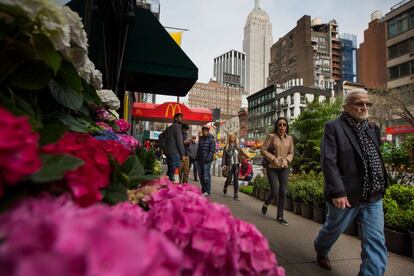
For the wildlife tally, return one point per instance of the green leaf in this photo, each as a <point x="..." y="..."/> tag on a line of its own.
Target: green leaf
<point x="31" y="76"/>
<point x="47" y="52"/>
<point x="116" y="192"/>
<point x="75" y="125"/>
<point x="69" y="77"/>
<point x="51" y="133"/>
<point x="55" y="166"/>
<point x="90" y="94"/>
<point x="65" y="95"/>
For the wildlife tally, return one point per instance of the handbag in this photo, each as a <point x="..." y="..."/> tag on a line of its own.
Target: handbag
<point x="225" y="171"/>
<point x="271" y="150"/>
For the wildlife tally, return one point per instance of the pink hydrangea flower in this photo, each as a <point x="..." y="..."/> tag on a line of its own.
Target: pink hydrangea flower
<point x="104" y="126"/>
<point x="128" y="141"/>
<point x="48" y="236"/>
<point x="122" y="125"/>
<point x="19" y="152"/>
<point x="212" y="240"/>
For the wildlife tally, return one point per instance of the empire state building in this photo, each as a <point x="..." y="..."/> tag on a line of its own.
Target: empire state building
<point x="256" y="44"/>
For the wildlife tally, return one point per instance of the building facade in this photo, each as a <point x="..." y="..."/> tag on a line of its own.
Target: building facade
<point x="256" y="44"/>
<point x="215" y="95"/>
<point x="230" y="69"/>
<point x="243" y="123"/>
<point x="311" y="51"/>
<point x="348" y="50"/>
<point x="371" y="55"/>
<point x="267" y="105"/>
<point x="400" y="48"/>
<point x="230" y="125"/>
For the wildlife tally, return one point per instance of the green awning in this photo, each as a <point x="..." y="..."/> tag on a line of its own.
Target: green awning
<point x="153" y="62"/>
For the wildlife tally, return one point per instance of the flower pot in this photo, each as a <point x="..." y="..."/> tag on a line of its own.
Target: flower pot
<point x="262" y="195"/>
<point x="411" y="234"/>
<point x="398" y="242"/>
<point x="352" y="229"/>
<point x="289" y="204"/>
<point x="318" y="214"/>
<point x="254" y="192"/>
<point x="307" y="211"/>
<point x="297" y="209"/>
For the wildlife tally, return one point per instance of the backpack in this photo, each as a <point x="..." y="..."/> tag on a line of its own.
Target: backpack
<point x="162" y="140"/>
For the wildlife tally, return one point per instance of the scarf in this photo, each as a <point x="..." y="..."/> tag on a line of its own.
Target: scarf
<point x="374" y="181"/>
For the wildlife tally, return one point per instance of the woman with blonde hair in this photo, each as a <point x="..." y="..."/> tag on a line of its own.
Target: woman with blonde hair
<point x="231" y="163"/>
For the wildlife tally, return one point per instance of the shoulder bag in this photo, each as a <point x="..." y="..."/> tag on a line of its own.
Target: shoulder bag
<point x="271" y="150"/>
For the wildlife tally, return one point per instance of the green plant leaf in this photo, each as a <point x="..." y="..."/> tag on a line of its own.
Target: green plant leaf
<point x="31" y="76"/>
<point x="69" y="77"/>
<point x="73" y="124"/>
<point x="66" y="96"/>
<point x="55" y="166"/>
<point x="51" y="133"/>
<point x="116" y="192"/>
<point x="47" y="52"/>
<point x="90" y="94"/>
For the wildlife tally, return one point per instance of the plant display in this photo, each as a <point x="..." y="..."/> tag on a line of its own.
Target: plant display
<point x="261" y="183"/>
<point x="68" y="168"/>
<point x="307" y="188"/>
<point x="246" y="189"/>
<point x="399" y="207"/>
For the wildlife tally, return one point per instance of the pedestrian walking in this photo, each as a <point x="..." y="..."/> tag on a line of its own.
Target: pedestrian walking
<point x="231" y="163"/>
<point x="192" y="153"/>
<point x="277" y="152"/>
<point x="204" y="157"/>
<point x="185" y="166"/>
<point x="355" y="181"/>
<point x="174" y="145"/>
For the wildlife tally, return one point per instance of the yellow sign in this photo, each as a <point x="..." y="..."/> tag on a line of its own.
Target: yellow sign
<point x="173" y="108"/>
<point x="126" y="105"/>
<point x="177" y="37"/>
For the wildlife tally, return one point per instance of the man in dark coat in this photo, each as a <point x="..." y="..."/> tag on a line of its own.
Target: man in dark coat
<point x="174" y="146"/>
<point x="205" y="153"/>
<point x="355" y="181"/>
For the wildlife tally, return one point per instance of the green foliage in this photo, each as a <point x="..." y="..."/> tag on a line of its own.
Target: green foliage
<point x="399" y="207"/>
<point x="151" y="165"/>
<point x="246" y="189"/>
<point x="55" y="166"/>
<point x="261" y="183"/>
<point x="307" y="188"/>
<point x="307" y="132"/>
<point x="399" y="161"/>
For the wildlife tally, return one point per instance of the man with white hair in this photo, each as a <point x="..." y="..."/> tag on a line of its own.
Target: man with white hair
<point x="355" y="181"/>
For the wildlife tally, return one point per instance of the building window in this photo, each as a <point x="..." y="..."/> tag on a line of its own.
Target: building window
<point x="401" y="70"/>
<point x="401" y="23"/>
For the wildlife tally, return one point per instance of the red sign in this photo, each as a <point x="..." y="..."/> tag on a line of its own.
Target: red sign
<point x="399" y="129"/>
<point x="165" y="113"/>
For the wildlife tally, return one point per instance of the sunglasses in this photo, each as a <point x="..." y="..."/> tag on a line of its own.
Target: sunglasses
<point x="362" y="104"/>
<point x="281" y="124"/>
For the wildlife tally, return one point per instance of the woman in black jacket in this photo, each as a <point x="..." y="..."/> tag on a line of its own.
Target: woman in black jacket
<point x="231" y="163"/>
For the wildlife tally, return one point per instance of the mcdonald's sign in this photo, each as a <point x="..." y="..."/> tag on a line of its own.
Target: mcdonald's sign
<point x="173" y="107"/>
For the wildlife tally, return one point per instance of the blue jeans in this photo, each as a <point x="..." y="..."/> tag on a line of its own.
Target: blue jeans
<point x="204" y="172"/>
<point x="173" y="162"/>
<point x="371" y="227"/>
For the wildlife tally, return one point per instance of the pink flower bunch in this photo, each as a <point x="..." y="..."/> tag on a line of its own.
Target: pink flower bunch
<point x="212" y="240"/>
<point x="49" y="236"/>
<point x="123" y="126"/>
<point x="86" y="181"/>
<point x="104" y="126"/>
<point x="129" y="142"/>
<point x="19" y="152"/>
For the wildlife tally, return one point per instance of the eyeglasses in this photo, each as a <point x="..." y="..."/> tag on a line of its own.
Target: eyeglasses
<point x="281" y="124"/>
<point x="362" y="104"/>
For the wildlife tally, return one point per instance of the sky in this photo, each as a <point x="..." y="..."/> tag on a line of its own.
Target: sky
<point x="217" y="26"/>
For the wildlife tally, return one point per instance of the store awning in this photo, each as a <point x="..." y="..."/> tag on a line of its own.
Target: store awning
<point x="165" y="113"/>
<point x="153" y="62"/>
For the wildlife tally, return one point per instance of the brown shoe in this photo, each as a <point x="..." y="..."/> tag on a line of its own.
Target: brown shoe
<point x="323" y="261"/>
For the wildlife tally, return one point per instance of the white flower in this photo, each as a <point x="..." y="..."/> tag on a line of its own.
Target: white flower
<point x="77" y="32"/>
<point x="109" y="98"/>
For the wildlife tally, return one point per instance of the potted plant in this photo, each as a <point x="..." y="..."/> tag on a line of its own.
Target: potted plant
<point x="318" y="200"/>
<point x="305" y="194"/>
<point x="294" y="192"/>
<point x="399" y="218"/>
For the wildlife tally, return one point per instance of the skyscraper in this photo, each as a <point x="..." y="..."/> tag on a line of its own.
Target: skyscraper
<point x="230" y="69"/>
<point x="256" y="44"/>
<point x="348" y="47"/>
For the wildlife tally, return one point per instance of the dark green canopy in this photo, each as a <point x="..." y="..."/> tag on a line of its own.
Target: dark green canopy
<point x="153" y="62"/>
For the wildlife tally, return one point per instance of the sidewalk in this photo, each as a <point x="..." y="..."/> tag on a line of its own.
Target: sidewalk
<point x="293" y="244"/>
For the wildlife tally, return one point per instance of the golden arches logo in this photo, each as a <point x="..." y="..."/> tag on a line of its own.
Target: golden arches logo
<point x="206" y="117"/>
<point x="138" y="111"/>
<point x="173" y="108"/>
